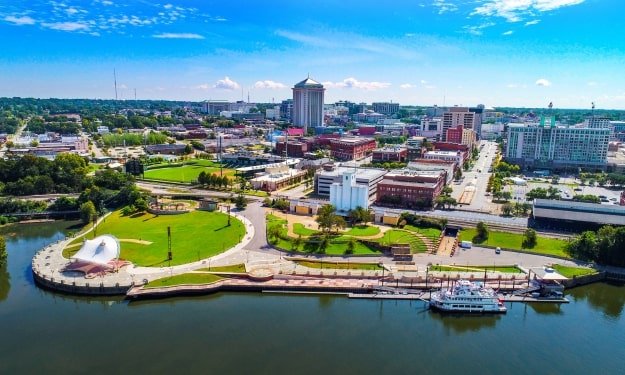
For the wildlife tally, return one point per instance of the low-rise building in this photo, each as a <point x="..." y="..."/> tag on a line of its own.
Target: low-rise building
<point x="434" y="165"/>
<point x="410" y="188"/>
<point x="171" y="149"/>
<point x="330" y="174"/>
<point x="390" y="153"/>
<point x="351" y="148"/>
<point x="292" y="149"/>
<point x="572" y="211"/>
<point x="277" y="178"/>
<point x="455" y="156"/>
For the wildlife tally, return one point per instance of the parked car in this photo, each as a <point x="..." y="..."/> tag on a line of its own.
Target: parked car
<point x="498" y="250"/>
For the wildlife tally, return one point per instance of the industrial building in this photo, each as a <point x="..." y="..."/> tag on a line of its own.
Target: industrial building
<point x="571" y="211"/>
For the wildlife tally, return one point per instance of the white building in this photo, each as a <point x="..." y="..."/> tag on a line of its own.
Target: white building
<point x="547" y="145"/>
<point x="274" y="113"/>
<point x="367" y="177"/>
<point x="103" y="129"/>
<point x="347" y="195"/>
<point x="308" y="104"/>
<point x="455" y="156"/>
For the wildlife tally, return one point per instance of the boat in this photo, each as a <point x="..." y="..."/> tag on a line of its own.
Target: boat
<point x="467" y="296"/>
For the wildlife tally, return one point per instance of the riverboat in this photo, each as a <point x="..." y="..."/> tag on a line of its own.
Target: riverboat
<point x="467" y="296"/>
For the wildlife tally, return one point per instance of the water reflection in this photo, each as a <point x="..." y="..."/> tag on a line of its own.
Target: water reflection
<point x="5" y="282"/>
<point x="463" y="323"/>
<point x="606" y="297"/>
<point x="546" y="308"/>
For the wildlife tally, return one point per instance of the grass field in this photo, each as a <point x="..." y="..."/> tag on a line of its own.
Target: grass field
<point x="362" y="230"/>
<point x="395" y="236"/>
<point x="545" y="245"/>
<point x="185" y="279"/>
<point x="299" y="228"/>
<point x="431" y="233"/>
<point x="237" y="268"/>
<point x="195" y="235"/>
<point x="340" y="265"/>
<point x="188" y="172"/>
<point x="502" y="269"/>
<point x="571" y="272"/>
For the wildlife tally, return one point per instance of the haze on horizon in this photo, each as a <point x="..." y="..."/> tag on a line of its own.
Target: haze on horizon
<point x="496" y="52"/>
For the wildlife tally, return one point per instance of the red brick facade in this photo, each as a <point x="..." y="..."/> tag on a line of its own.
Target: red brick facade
<point x="410" y="191"/>
<point x="352" y="148"/>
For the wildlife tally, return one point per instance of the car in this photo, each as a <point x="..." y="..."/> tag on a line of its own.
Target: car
<point x="577" y="189"/>
<point x="602" y="197"/>
<point x="498" y="250"/>
<point x="612" y="199"/>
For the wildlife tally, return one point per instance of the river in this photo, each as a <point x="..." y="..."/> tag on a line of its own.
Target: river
<point x="245" y="333"/>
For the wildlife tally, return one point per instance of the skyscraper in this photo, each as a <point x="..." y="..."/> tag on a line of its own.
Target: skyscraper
<point x="308" y="104"/>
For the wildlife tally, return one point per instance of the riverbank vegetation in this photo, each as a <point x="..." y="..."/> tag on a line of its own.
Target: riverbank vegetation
<point x="605" y="246"/>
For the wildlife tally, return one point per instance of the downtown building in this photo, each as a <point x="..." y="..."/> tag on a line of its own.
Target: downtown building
<point x="351" y="148"/>
<point x="385" y="108"/>
<point x="547" y="145"/>
<point x="308" y="104"/>
<point x="459" y="117"/>
<point x="410" y="188"/>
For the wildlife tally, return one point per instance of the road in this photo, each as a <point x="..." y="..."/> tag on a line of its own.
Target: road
<point x="476" y="179"/>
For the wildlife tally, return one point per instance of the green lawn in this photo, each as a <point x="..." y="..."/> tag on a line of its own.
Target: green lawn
<point x="502" y="269"/>
<point x="431" y="233"/>
<point x="362" y="230"/>
<point x="340" y="265"/>
<point x="545" y="245"/>
<point x="237" y="268"/>
<point x="188" y="172"/>
<point x="337" y="245"/>
<point x="299" y="228"/>
<point x="571" y="272"/>
<point x="396" y="236"/>
<point x="185" y="279"/>
<point x="195" y="235"/>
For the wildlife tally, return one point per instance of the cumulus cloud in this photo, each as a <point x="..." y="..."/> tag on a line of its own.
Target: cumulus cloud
<point x="509" y="32"/>
<point x="444" y="6"/>
<point x="23" y="20"/>
<point x="353" y="83"/>
<point x="543" y="82"/>
<point x="177" y="36"/>
<point x="515" y="10"/>
<point x="66" y="26"/>
<point x="407" y="86"/>
<point x="477" y="29"/>
<point x="226" y="84"/>
<point x="268" y="84"/>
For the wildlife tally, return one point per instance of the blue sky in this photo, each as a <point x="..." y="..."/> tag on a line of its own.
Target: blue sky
<point x="495" y="52"/>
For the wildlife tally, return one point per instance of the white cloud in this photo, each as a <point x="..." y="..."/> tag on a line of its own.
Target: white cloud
<point x="515" y="10"/>
<point x="267" y="84"/>
<point x="178" y="36"/>
<point x="226" y="84"/>
<point x="168" y="6"/>
<point x="106" y="2"/>
<point x="353" y="83"/>
<point x="533" y="22"/>
<point x="67" y="26"/>
<point x="407" y="86"/>
<point x="543" y="82"/>
<point x="592" y="83"/>
<point x="477" y="29"/>
<point x="509" y="32"/>
<point x="444" y="7"/>
<point x="23" y="20"/>
<point x="203" y="86"/>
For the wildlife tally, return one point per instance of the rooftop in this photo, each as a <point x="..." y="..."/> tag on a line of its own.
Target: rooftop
<point x="580" y="207"/>
<point x="309" y="83"/>
<point x="430" y="185"/>
<point x="365" y="173"/>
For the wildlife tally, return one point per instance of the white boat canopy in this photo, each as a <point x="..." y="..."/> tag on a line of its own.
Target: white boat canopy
<point x="100" y="250"/>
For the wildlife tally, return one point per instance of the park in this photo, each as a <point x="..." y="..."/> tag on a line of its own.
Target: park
<point x="186" y="172"/>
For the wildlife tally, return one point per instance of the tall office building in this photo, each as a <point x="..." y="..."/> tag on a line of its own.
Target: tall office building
<point x="547" y="145"/>
<point x="458" y="117"/>
<point x="308" y="104"/>
<point x="385" y="108"/>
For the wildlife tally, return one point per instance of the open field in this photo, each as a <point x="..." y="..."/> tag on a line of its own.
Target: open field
<point x="396" y="236"/>
<point x="187" y="172"/>
<point x="431" y="233"/>
<point x="185" y="279"/>
<point x="544" y="245"/>
<point x="571" y="272"/>
<point x="339" y="265"/>
<point x="237" y="268"/>
<point x="195" y="235"/>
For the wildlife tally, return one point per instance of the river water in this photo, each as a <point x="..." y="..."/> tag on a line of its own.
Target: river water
<point x="47" y="332"/>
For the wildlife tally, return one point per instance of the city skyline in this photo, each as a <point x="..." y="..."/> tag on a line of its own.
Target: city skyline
<point x="497" y="52"/>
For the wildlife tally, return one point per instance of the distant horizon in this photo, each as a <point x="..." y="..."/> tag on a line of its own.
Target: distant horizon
<point x="333" y="102"/>
<point x="494" y="52"/>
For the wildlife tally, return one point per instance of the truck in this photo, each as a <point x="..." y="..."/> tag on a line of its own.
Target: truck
<point x="466" y="244"/>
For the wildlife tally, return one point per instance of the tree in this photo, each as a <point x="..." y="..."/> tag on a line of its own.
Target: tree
<point x="3" y="251"/>
<point x="506" y="195"/>
<point x="457" y="174"/>
<point x="87" y="212"/>
<point x="481" y="232"/>
<point x="273" y="233"/>
<point x="350" y="246"/>
<point x="296" y="243"/>
<point x="328" y="219"/>
<point x="188" y="149"/>
<point x="240" y="202"/>
<point x="529" y="238"/>
<point x="506" y="209"/>
<point x="447" y="190"/>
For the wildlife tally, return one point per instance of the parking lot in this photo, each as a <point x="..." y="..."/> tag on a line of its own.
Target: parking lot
<point x="568" y="187"/>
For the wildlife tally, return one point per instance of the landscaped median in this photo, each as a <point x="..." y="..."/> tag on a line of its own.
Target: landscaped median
<point x="143" y="238"/>
<point x="572" y="272"/>
<point x="455" y="268"/>
<point x="184" y="279"/>
<point x="513" y="241"/>
<point x="338" y="265"/>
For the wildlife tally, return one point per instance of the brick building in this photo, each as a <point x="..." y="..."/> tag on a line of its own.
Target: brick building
<point x="351" y="148"/>
<point x="410" y="189"/>
<point x="294" y="149"/>
<point x="397" y="154"/>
